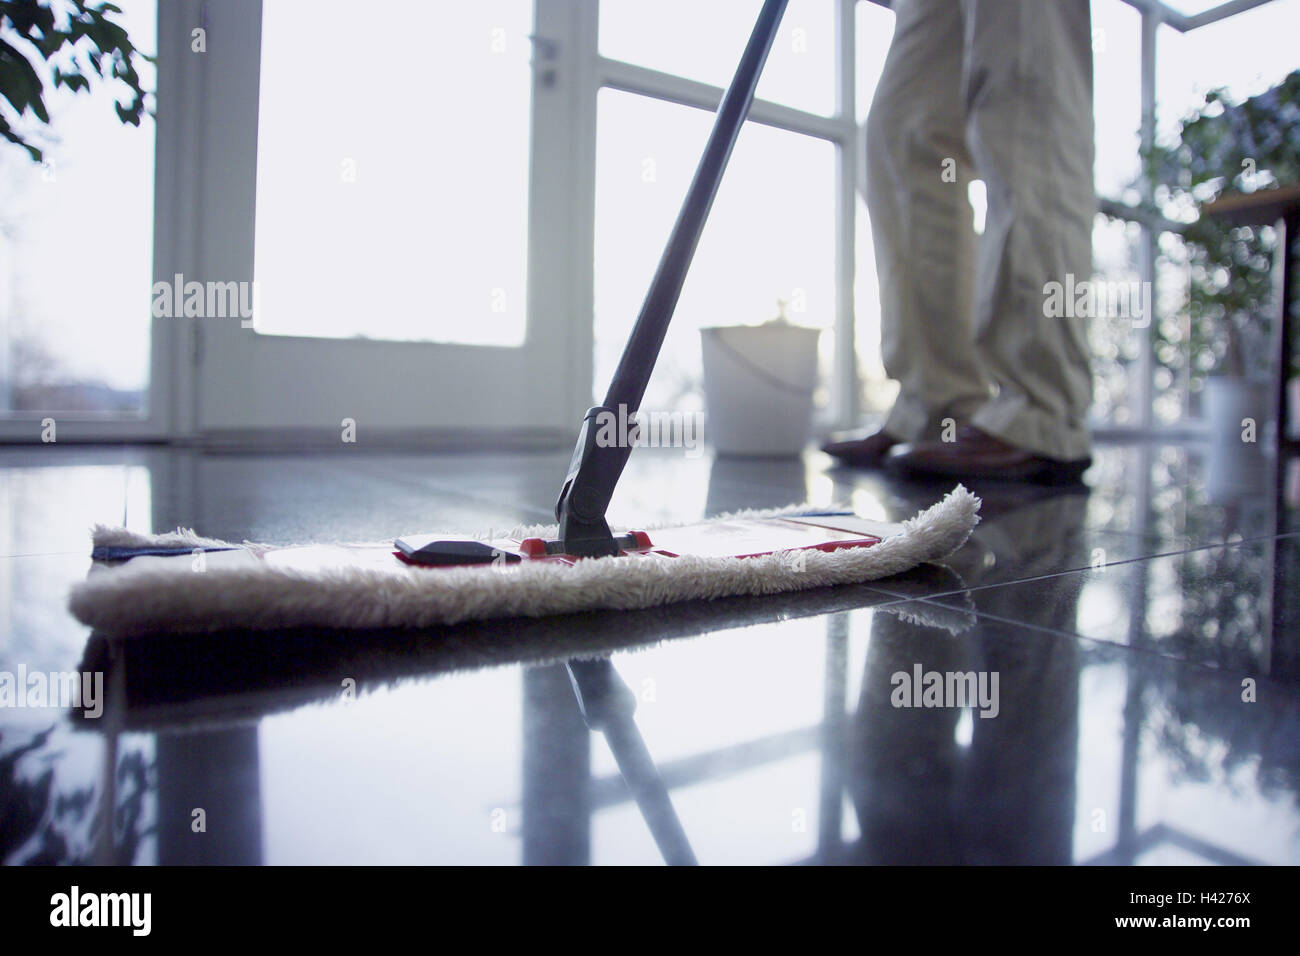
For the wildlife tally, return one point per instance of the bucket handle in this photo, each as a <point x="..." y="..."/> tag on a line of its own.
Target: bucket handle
<point x="758" y="370"/>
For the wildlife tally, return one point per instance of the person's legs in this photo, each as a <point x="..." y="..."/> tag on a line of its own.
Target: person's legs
<point x="1027" y="91"/>
<point x="915" y="184"/>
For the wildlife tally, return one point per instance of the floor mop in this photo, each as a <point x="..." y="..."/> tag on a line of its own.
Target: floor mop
<point x="182" y="582"/>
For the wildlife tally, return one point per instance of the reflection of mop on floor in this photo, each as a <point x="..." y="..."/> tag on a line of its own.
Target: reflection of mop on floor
<point x="179" y="582"/>
<point x="168" y="683"/>
<point x="187" y="681"/>
<point x="607" y="705"/>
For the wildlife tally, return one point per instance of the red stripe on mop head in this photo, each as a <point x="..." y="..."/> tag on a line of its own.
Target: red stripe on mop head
<point x="262" y="587"/>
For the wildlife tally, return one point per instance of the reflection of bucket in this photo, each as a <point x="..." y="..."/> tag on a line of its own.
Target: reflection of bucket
<point x="758" y="387"/>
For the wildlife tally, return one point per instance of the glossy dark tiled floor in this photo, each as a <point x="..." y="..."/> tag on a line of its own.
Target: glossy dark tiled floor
<point x="1143" y="633"/>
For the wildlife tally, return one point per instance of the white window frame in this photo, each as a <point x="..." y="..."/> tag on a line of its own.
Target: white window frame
<point x="840" y="129"/>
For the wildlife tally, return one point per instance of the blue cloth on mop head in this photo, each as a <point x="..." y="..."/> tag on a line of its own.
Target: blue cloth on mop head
<point x="115" y="553"/>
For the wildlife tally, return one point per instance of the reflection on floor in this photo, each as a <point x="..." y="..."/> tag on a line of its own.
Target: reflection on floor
<point x="1107" y="674"/>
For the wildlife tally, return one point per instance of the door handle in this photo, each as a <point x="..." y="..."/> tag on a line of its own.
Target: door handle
<point x="546" y="52"/>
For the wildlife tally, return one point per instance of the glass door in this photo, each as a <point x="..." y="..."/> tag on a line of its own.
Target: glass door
<point x="411" y="267"/>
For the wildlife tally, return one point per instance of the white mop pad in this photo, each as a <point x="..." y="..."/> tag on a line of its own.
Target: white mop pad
<point x="365" y="587"/>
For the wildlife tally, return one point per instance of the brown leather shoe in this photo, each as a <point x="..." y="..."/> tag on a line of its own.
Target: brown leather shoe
<point x="977" y="454"/>
<point x="863" y="452"/>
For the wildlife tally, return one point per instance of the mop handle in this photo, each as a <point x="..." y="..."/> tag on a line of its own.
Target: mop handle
<point x="596" y="466"/>
<point x="642" y="351"/>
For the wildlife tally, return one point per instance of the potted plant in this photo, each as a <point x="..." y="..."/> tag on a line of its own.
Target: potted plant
<point x="1221" y="148"/>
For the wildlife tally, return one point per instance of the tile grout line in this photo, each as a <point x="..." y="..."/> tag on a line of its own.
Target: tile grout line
<point x="1103" y="643"/>
<point x="1088" y="568"/>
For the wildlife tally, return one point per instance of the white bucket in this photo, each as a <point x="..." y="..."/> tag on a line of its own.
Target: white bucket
<point x="1229" y="402"/>
<point x="758" y="387"/>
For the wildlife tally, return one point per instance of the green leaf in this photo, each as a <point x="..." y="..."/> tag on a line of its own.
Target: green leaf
<point x="17" y="140"/>
<point x="41" y="24"/>
<point x="20" y="84"/>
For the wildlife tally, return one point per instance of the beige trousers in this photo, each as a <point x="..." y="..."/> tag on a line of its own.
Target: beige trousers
<point x="999" y="90"/>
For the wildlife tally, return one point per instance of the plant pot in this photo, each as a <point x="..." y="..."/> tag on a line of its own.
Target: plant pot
<point x="1229" y="403"/>
<point x="758" y="387"/>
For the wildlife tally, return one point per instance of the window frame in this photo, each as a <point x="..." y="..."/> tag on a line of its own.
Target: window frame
<point x="840" y="129"/>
